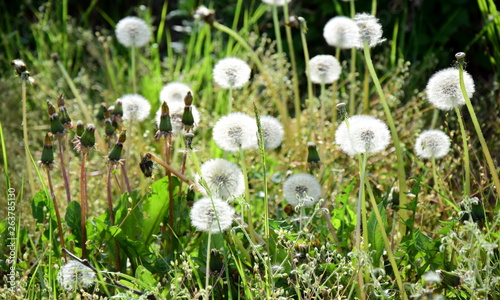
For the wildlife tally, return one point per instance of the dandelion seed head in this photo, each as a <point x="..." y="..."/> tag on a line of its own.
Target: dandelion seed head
<point x="234" y="131"/>
<point x="272" y="132"/>
<point x="443" y="89"/>
<point x="132" y="32"/>
<point x="174" y="91"/>
<point x="432" y="143"/>
<point x="341" y="32"/>
<point x="211" y="217"/>
<point x="302" y="189"/>
<point x="231" y="73"/>
<point x="324" y="69"/>
<point x="224" y="178"/>
<point x="432" y="277"/>
<point x="370" y="30"/>
<point x="364" y="134"/>
<point x="176" y="110"/>
<point x="135" y="107"/>
<point x="276" y="2"/>
<point x="73" y="275"/>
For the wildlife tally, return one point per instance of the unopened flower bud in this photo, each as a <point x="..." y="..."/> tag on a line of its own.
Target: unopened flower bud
<point x="116" y="153"/>
<point x="48" y="152"/>
<point x="205" y="14"/>
<point x="80" y="128"/>
<point x="65" y="118"/>
<point x="117" y="109"/>
<point x="187" y="118"/>
<point x="188" y="99"/>
<point x="165" y="126"/>
<point x="101" y="112"/>
<point x="313" y="159"/>
<point x="88" y="137"/>
<point x="19" y="66"/>
<point x="56" y="127"/>
<point x="55" y="57"/>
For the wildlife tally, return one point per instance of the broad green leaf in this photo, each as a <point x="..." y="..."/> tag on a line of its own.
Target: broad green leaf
<point x="144" y="277"/>
<point x="375" y="234"/>
<point x="74" y="218"/>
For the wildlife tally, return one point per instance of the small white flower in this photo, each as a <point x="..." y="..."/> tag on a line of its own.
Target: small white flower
<point x="224" y="178"/>
<point x="176" y="109"/>
<point x="276" y="2"/>
<point x="135" y="107"/>
<point x="272" y="132"/>
<point x="132" y="32"/>
<point x="211" y="215"/>
<point x="364" y="134"/>
<point x="370" y="30"/>
<point x="231" y="73"/>
<point x="432" y="277"/>
<point x="443" y="89"/>
<point x="74" y="275"/>
<point x="234" y="131"/>
<point x="174" y="91"/>
<point x="324" y="69"/>
<point x="432" y="143"/>
<point x="302" y="189"/>
<point x="341" y="32"/>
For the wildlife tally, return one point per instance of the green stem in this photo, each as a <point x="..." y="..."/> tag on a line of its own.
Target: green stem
<point x="322" y="103"/>
<point x="56" y="208"/>
<point x="395" y="138"/>
<point x="64" y="172"/>
<point x="132" y="61"/>
<point x="484" y="146"/>
<point x="334" y="91"/>
<point x="26" y="140"/>
<point x="436" y="184"/>
<point x="247" y="207"/>
<point x="466" y="153"/>
<point x="83" y="199"/>
<point x="207" y="268"/>
<point x="308" y="69"/>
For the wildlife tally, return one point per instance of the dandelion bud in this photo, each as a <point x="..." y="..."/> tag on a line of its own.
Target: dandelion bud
<point x="341" y="32"/>
<point x="48" y="152"/>
<point x="19" y="66"/>
<point x="211" y="215"/>
<point x="432" y="277"/>
<point x="116" y="153"/>
<point x="224" y="179"/>
<point x="303" y="189"/>
<point x="100" y="113"/>
<point x="432" y="144"/>
<point x="132" y="32"/>
<point x="56" y="127"/>
<point x="117" y="109"/>
<point x="460" y="56"/>
<point x="370" y="30"/>
<point x="176" y="112"/>
<point x="174" y="91"/>
<point x="313" y="159"/>
<point x="205" y="14"/>
<point x="235" y="131"/>
<point x="364" y="134"/>
<point x="165" y="126"/>
<point x="324" y="69"/>
<point x="65" y="118"/>
<point x="55" y="57"/>
<point x="231" y="73"/>
<point x="135" y="107"/>
<point x="87" y="139"/>
<point x="449" y="279"/>
<point x="188" y="99"/>
<point x="187" y="118"/>
<point x="80" y="128"/>
<point x="109" y="129"/>
<point x="443" y="89"/>
<point x="75" y="275"/>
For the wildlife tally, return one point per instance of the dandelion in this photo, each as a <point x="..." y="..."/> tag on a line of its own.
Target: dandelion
<point x="231" y="73"/>
<point x="432" y="277"/>
<point x="176" y="110"/>
<point x="224" y="178"/>
<point x="365" y="134"/>
<point x="74" y="275"/>
<point x="132" y="32"/>
<point x="276" y="2"/>
<point x="443" y="89"/>
<point x="235" y="131"/>
<point x="324" y="69"/>
<point x="174" y="91"/>
<point x="302" y="189"/>
<point x="272" y="132"/>
<point x="432" y="144"/>
<point x="370" y="30"/>
<point x="211" y="215"/>
<point x="341" y="32"/>
<point x="135" y="107"/>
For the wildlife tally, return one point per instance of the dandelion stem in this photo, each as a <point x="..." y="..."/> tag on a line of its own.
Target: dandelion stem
<point x="477" y="127"/>
<point x="247" y="207"/>
<point x="279" y="44"/>
<point x="466" y="153"/>
<point x="334" y="91"/>
<point x="352" y="82"/>
<point x="132" y="62"/>
<point x="125" y="178"/>
<point x="207" y="268"/>
<point x="83" y="199"/>
<point x="395" y="137"/>
<point x="109" y="196"/>
<point x="56" y="208"/>
<point x="310" y="96"/>
<point x="64" y="172"/>
<point x="26" y="141"/>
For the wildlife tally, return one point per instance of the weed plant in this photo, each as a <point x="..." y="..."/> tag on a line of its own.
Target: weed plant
<point x="236" y="185"/>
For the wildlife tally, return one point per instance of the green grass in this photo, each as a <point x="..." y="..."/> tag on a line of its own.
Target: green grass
<point x="282" y="255"/>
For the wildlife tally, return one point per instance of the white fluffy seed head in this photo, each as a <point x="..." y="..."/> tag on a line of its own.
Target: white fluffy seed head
<point x="234" y="131"/>
<point x="132" y="32"/>
<point x="324" y="69"/>
<point x="443" y="89"/>
<point x="176" y="109"/>
<point x="302" y="189"/>
<point x="272" y="132"/>
<point x="211" y="215"/>
<point x="276" y="2"/>
<point x="365" y="134"/>
<point x="231" y="73"/>
<point x="224" y="178"/>
<point x="341" y="32"/>
<point x="174" y="91"/>
<point x="370" y="30"/>
<point x="432" y="143"/>
<point x="74" y="275"/>
<point x="135" y="107"/>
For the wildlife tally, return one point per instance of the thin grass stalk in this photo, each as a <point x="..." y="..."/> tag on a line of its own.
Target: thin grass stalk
<point x="366" y="91"/>
<point x="437" y="186"/>
<point x="352" y="72"/>
<point x="310" y="96"/>
<point x="466" y="191"/>
<point x="322" y="102"/>
<point x="387" y="243"/>
<point x="56" y="208"/>
<point x="334" y="91"/>
<point x="279" y="44"/>
<point x="207" y="268"/>
<point x="247" y="207"/>
<point x="83" y="199"/>
<point x="291" y="49"/>
<point x="26" y="140"/>
<point x="477" y="127"/>
<point x="64" y="172"/>
<point x="230" y="100"/>
<point x="260" y="139"/>
<point x="395" y="138"/>
<point x="132" y="62"/>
